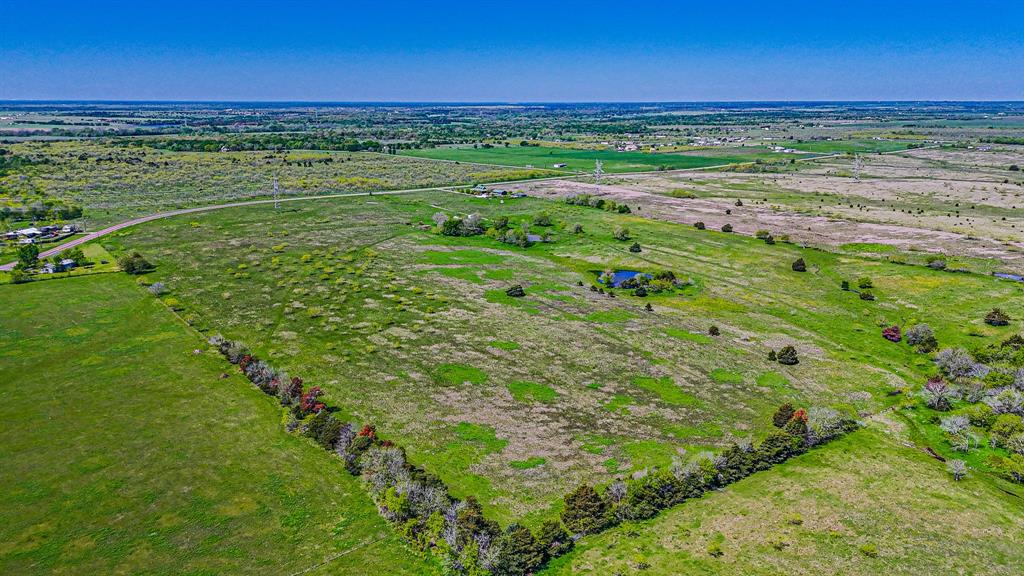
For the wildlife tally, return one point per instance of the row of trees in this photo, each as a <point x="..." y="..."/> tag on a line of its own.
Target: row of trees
<point x="588" y="511"/>
<point x="600" y="203"/>
<point x="459" y="533"/>
<point x="249" y="142"/>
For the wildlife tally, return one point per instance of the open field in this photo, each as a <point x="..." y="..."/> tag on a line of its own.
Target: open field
<point x="512" y="400"/>
<point x="959" y="203"/>
<point x="113" y="183"/>
<point x="862" y="505"/>
<point x="124" y="452"/>
<point x="583" y="160"/>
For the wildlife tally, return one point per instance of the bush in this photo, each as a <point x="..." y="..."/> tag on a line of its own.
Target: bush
<point x="844" y="285"/>
<point x="542" y="219"/>
<point x="869" y="550"/>
<point x="957" y="468"/>
<point x="134" y="263"/>
<point x="714" y="331"/>
<point x="727" y="228"/>
<point x="922" y="337"/>
<point x="799" y="265"/>
<point x="1006" y="426"/>
<point x="762" y="234"/>
<point x="865" y="283"/>
<point x="516" y="291"/>
<point x="585" y="511"/>
<point x="699" y="225"/>
<point x="635" y="248"/>
<point x="788" y="356"/>
<point x="771" y="356"/>
<point x="938" y="395"/>
<point x="553" y="539"/>
<point x="867" y="296"/>
<point x="892" y="334"/>
<point x="783" y="415"/>
<point x="621" y="233"/>
<point x="980" y="415"/>
<point x="997" y="318"/>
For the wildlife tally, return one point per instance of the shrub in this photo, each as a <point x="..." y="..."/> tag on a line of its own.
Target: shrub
<point x="922" y="337"/>
<point x="867" y="295"/>
<point x="699" y="225"/>
<point x="621" y="233"/>
<point x="134" y="263"/>
<point x="635" y="248"/>
<point x="771" y="356"/>
<point x="762" y="234"/>
<point x="980" y="415"/>
<point x="542" y="219"/>
<point x="799" y="265"/>
<point x="1006" y="426"/>
<point x="865" y="283"/>
<point x="869" y="550"/>
<point x="957" y="468"/>
<point x="577" y="228"/>
<point x="997" y="318"/>
<point x="714" y="331"/>
<point x="640" y="291"/>
<point x="519" y="552"/>
<point x="783" y="414"/>
<point x="727" y="228"/>
<point x="844" y="285"/>
<point x="585" y="511"/>
<point x="157" y="288"/>
<point x="892" y="334"/>
<point x="938" y="395"/>
<point x="516" y="291"/>
<point x="787" y="355"/>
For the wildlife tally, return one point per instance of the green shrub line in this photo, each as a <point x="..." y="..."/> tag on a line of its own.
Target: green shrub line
<point x="457" y="532"/>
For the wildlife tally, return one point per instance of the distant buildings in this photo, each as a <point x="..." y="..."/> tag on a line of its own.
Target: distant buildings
<point x="31" y="234"/>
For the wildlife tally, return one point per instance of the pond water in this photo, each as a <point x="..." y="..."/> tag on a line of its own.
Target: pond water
<point x="1008" y="276"/>
<point x="620" y="276"/>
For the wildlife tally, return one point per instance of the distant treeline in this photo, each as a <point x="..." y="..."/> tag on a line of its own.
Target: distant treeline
<point x="295" y="141"/>
<point x="1003" y="140"/>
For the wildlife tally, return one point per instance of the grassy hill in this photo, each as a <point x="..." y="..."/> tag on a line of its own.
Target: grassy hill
<point x="125" y="452"/>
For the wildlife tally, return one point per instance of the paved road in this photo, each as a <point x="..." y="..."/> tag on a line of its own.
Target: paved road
<point x="110" y="229"/>
<point x="99" y="233"/>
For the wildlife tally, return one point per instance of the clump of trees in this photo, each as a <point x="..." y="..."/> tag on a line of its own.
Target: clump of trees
<point x="135" y="263"/>
<point x="600" y="203"/>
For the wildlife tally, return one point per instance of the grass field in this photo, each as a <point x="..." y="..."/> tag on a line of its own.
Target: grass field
<point x="514" y="399"/>
<point x="583" y="160"/>
<point x="864" y="146"/>
<point x="114" y="183"/>
<point x="125" y="453"/>
<point x="860" y="505"/>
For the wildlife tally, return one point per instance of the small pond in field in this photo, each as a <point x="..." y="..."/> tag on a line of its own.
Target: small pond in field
<point x="1008" y="276"/>
<point x="620" y="276"/>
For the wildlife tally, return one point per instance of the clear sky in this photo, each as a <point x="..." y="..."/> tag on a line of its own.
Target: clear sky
<point x="515" y="51"/>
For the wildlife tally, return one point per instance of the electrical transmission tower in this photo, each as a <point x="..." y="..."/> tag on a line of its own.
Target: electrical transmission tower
<point x="598" y="171"/>
<point x="277" y="201"/>
<point x="858" y="165"/>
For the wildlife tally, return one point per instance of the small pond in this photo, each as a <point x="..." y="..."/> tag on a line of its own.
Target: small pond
<point x="1008" y="276"/>
<point x="620" y="276"/>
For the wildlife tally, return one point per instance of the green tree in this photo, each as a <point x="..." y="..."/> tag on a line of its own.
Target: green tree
<point x="783" y="415"/>
<point x="585" y="511"/>
<point x="28" y="256"/>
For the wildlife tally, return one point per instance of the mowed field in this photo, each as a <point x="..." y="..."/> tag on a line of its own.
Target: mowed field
<point x="125" y="453"/>
<point x="583" y="160"/>
<point x="516" y="401"/>
<point x="865" y="504"/>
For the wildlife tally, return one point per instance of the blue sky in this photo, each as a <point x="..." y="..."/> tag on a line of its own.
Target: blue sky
<point x="512" y="51"/>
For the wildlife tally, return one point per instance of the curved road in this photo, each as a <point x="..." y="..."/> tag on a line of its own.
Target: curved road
<point x="94" y="235"/>
<point x="110" y="229"/>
